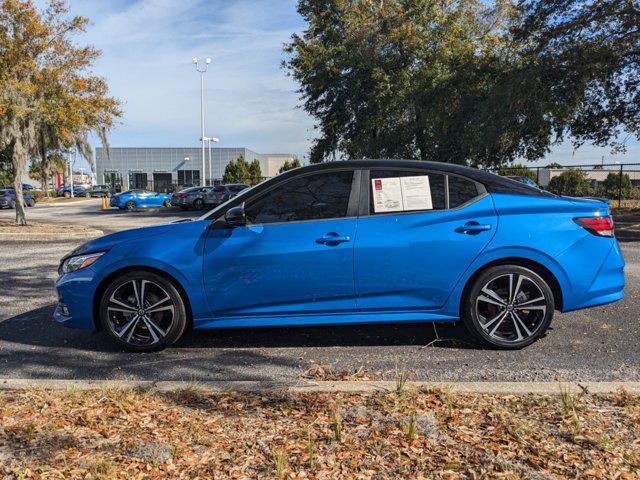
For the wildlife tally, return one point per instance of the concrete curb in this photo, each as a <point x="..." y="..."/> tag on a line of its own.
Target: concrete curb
<point x="491" y="388"/>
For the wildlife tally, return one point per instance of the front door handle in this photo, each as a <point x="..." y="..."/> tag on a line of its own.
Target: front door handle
<point x="333" y="238"/>
<point x="473" y="228"/>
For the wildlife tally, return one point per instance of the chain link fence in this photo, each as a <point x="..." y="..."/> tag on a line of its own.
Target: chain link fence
<point x="617" y="182"/>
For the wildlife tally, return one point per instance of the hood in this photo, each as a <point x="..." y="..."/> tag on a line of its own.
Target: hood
<point x="108" y="241"/>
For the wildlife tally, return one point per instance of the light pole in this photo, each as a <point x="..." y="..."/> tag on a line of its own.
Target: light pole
<point x="215" y="140"/>
<point x="202" y="71"/>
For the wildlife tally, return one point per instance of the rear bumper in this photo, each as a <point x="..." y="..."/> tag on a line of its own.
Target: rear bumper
<point x="606" y="286"/>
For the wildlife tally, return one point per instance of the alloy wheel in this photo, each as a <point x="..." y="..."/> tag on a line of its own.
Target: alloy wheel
<point x="511" y="307"/>
<point x="140" y="313"/>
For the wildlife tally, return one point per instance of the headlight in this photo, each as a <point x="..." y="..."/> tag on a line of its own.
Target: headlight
<point x="72" y="264"/>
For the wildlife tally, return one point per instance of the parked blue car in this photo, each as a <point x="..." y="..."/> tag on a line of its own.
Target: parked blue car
<point x="353" y="242"/>
<point x="138" y="198"/>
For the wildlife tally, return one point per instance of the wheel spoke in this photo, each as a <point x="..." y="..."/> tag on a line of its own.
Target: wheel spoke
<point x="528" y="302"/>
<point x="128" y="308"/>
<point x="155" y="326"/>
<point x="135" y="291"/>
<point x="532" y="307"/>
<point x="128" y="325"/>
<point x="150" y="309"/>
<point x="517" y="320"/>
<point x="488" y="323"/>
<point x="498" y="323"/>
<point x="484" y="298"/>
<point x="494" y="295"/>
<point x="160" y="309"/>
<point x="142" y="284"/>
<point x="517" y="288"/>
<point x="153" y="334"/>
<point x="515" y="324"/>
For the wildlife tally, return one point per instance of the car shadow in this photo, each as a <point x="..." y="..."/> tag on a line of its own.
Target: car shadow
<point x="36" y="328"/>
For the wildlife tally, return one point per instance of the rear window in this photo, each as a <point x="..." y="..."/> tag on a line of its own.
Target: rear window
<point x="461" y="190"/>
<point x="190" y="190"/>
<point x="219" y="189"/>
<point x="237" y="188"/>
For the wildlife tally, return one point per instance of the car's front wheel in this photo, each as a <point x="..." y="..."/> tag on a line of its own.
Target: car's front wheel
<point x="130" y="205"/>
<point x="143" y="311"/>
<point x="508" y="306"/>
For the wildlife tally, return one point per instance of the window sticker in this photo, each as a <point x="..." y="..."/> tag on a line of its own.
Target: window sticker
<point x="416" y="193"/>
<point x="398" y="194"/>
<point x="387" y="196"/>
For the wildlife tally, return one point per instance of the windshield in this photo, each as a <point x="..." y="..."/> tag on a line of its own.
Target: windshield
<point x="192" y="189"/>
<point x="241" y="196"/>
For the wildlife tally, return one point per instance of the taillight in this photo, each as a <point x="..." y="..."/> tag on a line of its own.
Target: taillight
<point x="182" y="195"/>
<point x="600" y="226"/>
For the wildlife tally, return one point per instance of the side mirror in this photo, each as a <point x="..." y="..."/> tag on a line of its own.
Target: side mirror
<point x="235" y="217"/>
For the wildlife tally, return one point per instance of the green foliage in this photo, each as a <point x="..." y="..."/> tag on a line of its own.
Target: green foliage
<point x="289" y="165"/>
<point x="240" y="171"/>
<point x="554" y="165"/>
<point x="255" y="173"/>
<point x="583" y="61"/>
<point x="518" y="170"/>
<point x="611" y="186"/>
<point x="408" y="79"/>
<point x="571" y="183"/>
<point x="48" y="98"/>
<point x="466" y="81"/>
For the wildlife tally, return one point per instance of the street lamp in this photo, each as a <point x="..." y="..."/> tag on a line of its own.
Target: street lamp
<point x="214" y="140"/>
<point x="202" y="71"/>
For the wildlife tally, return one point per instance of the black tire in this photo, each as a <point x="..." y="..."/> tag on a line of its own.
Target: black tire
<point x="31" y="203"/>
<point x="142" y="336"/>
<point x="108" y="195"/>
<point x="166" y="203"/>
<point x="130" y="206"/>
<point x="500" y="308"/>
<point x="198" y="204"/>
<point x="67" y="194"/>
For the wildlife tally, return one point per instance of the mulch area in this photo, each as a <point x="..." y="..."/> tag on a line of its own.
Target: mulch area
<point x="9" y="226"/>
<point x="131" y="434"/>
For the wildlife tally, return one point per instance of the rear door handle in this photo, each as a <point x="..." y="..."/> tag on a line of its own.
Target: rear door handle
<point x="333" y="238"/>
<point x="473" y="228"/>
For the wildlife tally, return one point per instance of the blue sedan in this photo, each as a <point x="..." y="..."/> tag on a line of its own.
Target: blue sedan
<point x="137" y="198"/>
<point x="353" y="242"/>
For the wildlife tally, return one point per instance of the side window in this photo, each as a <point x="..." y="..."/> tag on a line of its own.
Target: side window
<point x="461" y="191"/>
<point x="312" y="197"/>
<point x="435" y="182"/>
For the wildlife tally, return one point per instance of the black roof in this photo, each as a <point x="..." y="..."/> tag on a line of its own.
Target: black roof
<point x="492" y="182"/>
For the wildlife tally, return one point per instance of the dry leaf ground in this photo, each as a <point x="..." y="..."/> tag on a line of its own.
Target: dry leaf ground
<point x="130" y="434"/>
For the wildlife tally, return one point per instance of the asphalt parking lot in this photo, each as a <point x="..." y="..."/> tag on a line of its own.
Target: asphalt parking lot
<point x="600" y="344"/>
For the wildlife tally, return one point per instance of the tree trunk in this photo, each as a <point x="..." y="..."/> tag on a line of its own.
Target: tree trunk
<point x="18" y="160"/>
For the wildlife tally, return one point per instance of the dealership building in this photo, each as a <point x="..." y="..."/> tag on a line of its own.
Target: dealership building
<point x="159" y="168"/>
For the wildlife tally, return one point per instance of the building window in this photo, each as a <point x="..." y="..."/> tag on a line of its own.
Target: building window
<point x="188" y="178"/>
<point x="114" y="179"/>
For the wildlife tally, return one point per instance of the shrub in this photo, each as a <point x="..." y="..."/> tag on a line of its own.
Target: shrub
<point x="572" y="183"/>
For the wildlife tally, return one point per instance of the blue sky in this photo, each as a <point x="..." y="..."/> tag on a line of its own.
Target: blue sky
<point x="147" y="50"/>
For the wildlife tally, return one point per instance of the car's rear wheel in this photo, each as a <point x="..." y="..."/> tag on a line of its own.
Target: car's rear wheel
<point x="198" y="204"/>
<point x="166" y="203"/>
<point x="67" y="194"/>
<point x="130" y="205"/>
<point x="31" y="203"/>
<point x="508" y="306"/>
<point x="143" y="311"/>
